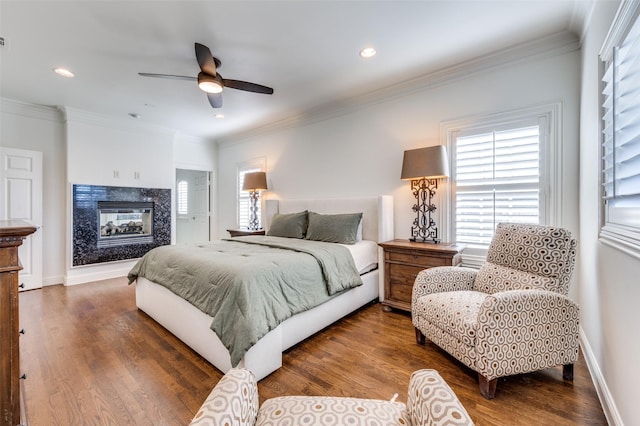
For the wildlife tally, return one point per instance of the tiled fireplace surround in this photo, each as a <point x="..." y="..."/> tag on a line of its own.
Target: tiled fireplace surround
<point x="86" y="226"/>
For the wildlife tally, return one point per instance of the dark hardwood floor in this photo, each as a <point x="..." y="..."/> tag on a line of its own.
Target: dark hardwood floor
<point x="92" y="358"/>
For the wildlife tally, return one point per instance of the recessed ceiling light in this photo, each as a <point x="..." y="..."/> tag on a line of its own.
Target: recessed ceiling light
<point x="368" y="52"/>
<point x="219" y="116"/>
<point x="63" y="72"/>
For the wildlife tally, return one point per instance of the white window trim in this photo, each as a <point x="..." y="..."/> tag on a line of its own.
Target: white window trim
<point x="620" y="228"/>
<point x="551" y="163"/>
<point x="259" y="164"/>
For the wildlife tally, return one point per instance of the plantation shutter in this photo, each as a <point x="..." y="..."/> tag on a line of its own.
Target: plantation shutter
<point x="621" y="122"/>
<point x="497" y="179"/>
<point x="183" y="200"/>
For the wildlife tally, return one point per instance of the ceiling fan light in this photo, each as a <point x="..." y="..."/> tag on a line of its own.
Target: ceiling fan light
<point x="63" y="72"/>
<point x="209" y="83"/>
<point x="368" y="52"/>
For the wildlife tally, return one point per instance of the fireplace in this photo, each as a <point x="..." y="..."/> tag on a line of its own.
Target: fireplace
<point x="124" y="222"/>
<point x="112" y="223"/>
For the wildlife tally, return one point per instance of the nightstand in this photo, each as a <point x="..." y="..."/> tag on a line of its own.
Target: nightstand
<point x="241" y="232"/>
<point x="403" y="260"/>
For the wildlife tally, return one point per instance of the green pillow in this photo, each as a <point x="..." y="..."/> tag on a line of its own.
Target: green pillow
<point x="292" y="225"/>
<point x="334" y="228"/>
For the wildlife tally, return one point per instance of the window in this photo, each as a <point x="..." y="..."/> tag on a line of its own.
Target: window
<point x="500" y="172"/>
<point x="621" y="131"/>
<point x="183" y="197"/>
<point x="243" y="196"/>
<point x="497" y="180"/>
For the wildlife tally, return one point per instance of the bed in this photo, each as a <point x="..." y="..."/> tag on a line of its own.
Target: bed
<point x="192" y="326"/>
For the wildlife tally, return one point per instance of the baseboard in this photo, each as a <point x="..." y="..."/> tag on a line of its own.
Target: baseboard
<point x="606" y="399"/>
<point x="95" y="276"/>
<point x="54" y="280"/>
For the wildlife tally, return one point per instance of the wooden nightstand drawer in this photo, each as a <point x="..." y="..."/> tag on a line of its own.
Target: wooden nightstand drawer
<point x="403" y="261"/>
<point x="405" y="274"/>
<point x="400" y="292"/>
<point x="414" y="258"/>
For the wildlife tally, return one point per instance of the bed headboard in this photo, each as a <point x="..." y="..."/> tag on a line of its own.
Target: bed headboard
<point x="377" y="212"/>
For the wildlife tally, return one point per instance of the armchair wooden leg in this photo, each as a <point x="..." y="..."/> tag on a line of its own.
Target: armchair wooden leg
<point x="420" y="339"/>
<point x="567" y="372"/>
<point x="487" y="387"/>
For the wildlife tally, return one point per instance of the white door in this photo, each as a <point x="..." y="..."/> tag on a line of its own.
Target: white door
<point x="21" y="197"/>
<point x="192" y="206"/>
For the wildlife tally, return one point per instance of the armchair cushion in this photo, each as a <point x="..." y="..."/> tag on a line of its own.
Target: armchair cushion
<point x="453" y="311"/>
<point x="493" y="278"/>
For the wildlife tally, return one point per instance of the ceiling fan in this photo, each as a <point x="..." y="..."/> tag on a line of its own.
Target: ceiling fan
<point x="210" y="81"/>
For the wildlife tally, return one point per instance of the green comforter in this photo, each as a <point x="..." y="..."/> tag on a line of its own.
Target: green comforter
<point x="249" y="285"/>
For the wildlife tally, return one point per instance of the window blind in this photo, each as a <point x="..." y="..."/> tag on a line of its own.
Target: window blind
<point x="497" y="179"/>
<point x="621" y="122"/>
<point x="183" y="200"/>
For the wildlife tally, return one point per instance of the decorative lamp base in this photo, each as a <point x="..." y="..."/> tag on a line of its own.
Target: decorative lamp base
<point x="424" y="228"/>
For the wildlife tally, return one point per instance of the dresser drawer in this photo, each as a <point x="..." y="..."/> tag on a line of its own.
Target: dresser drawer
<point x="416" y="258"/>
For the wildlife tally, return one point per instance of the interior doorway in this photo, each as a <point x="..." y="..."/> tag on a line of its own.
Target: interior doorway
<point x="193" y="206"/>
<point x="22" y="198"/>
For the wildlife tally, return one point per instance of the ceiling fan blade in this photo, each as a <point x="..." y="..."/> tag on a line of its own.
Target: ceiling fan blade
<point x="215" y="99"/>
<point x="248" y="87"/>
<point x="171" y="76"/>
<point x="205" y="59"/>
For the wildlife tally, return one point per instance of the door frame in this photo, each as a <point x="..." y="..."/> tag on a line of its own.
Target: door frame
<point x="212" y="200"/>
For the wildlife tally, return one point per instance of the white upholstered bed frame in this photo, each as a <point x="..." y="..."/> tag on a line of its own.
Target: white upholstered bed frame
<point x="191" y="325"/>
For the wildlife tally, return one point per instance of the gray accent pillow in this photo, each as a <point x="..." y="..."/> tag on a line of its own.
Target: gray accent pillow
<point x="334" y="228"/>
<point x="291" y="225"/>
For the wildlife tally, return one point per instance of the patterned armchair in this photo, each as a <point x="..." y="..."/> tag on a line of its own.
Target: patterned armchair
<point x="234" y="402"/>
<point x="510" y="317"/>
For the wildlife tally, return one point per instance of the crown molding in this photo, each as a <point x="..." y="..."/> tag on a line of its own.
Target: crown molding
<point x="40" y="112"/>
<point x="552" y="45"/>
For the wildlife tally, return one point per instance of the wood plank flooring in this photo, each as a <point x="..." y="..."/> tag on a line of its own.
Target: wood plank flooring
<point x="92" y="358"/>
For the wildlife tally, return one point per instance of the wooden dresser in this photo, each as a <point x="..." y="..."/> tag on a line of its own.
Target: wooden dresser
<point x="403" y="260"/>
<point x="12" y="233"/>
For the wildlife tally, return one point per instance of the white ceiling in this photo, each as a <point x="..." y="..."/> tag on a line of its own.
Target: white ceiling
<point x="306" y="50"/>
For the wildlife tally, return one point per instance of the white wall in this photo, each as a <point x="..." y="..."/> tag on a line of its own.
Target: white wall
<point x="359" y="151"/>
<point x="41" y="129"/>
<point x="609" y="288"/>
